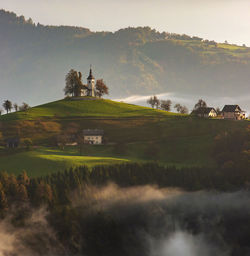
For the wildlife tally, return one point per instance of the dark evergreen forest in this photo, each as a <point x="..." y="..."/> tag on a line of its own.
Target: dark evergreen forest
<point x="84" y="214"/>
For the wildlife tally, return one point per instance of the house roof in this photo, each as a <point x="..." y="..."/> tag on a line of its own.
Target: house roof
<point x="231" y="108"/>
<point x="94" y="132"/>
<point x="12" y="140"/>
<point x="203" y="110"/>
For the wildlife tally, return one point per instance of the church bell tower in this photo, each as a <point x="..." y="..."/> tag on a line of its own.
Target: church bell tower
<point x="91" y="83"/>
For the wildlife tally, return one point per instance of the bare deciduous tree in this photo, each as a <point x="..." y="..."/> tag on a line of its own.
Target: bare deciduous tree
<point x="200" y="104"/>
<point x="16" y="107"/>
<point x="24" y="107"/>
<point x="181" y="109"/>
<point x="166" y="105"/>
<point x="154" y="102"/>
<point x="7" y="105"/>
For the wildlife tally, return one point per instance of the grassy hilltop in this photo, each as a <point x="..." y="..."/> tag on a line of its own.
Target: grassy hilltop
<point x="132" y="133"/>
<point x="83" y="108"/>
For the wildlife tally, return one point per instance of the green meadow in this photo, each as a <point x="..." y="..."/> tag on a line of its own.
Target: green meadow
<point x="44" y="161"/>
<point x="85" y="107"/>
<point x="131" y="133"/>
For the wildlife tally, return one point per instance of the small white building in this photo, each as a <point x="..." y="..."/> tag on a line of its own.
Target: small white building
<point x="93" y="136"/>
<point x="89" y="88"/>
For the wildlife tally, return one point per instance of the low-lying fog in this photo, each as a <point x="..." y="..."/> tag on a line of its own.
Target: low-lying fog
<point x="140" y="221"/>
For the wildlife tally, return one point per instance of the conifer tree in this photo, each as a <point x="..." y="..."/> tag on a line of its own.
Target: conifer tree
<point x="3" y="200"/>
<point x="22" y="194"/>
<point x="4" y="179"/>
<point x="13" y="186"/>
<point x="23" y="178"/>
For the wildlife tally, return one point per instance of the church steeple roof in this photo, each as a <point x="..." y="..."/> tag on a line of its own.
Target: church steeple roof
<point x="90" y="74"/>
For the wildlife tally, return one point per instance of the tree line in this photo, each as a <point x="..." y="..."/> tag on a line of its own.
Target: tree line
<point x="80" y="229"/>
<point x="77" y="227"/>
<point x="166" y="105"/>
<point x="55" y="189"/>
<point x="9" y="106"/>
<point x="156" y="103"/>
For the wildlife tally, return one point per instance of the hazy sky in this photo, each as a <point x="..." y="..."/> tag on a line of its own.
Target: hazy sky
<point x="212" y="19"/>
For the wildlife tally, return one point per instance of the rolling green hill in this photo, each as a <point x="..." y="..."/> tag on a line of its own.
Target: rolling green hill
<point x="85" y="107"/>
<point x="132" y="133"/>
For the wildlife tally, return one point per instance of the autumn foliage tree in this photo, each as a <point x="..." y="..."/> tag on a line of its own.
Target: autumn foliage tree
<point x="3" y="200"/>
<point x="27" y="142"/>
<point x="73" y="83"/>
<point x="70" y="80"/>
<point x="101" y="88"/>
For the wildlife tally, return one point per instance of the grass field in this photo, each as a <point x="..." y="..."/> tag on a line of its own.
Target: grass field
<point x="85" y="107"/>
<point x="221" y="48"/>
<point x="46" y="160"/>
<point x="132" y="133"/>
<point x="43" y="161"/>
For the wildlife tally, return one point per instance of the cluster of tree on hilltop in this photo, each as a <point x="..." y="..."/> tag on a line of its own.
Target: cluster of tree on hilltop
<point x="74" y="85"/>
<point x="134" y="60"/>
<point x="8" y="106"/>
<point x="154" y="102"/>
<point x="166" y="105"/>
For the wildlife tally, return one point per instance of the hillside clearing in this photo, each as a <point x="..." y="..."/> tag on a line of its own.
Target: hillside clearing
<point x="44" y="161"/>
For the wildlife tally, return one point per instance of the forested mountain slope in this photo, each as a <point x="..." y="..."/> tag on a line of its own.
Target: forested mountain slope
<point x="35" y="58"/>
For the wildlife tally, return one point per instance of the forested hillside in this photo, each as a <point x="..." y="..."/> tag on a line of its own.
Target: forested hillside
<point x="79" y="212"/>
<point x="35" y="58"/>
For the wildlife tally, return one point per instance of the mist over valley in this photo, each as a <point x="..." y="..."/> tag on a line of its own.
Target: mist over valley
<point x="140" y="220"/>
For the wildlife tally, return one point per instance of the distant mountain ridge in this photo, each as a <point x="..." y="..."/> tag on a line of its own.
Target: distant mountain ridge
<point x="34" y="60"/>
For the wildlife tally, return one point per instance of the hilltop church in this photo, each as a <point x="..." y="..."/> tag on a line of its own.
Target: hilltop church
<point x="88" y="89"/>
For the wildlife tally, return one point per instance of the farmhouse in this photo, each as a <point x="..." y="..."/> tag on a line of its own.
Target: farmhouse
<point x="93" y="136"/>
<point x="12" y="142"/>
<point x="205" y="112"/>
<point x="233" y="112"/>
